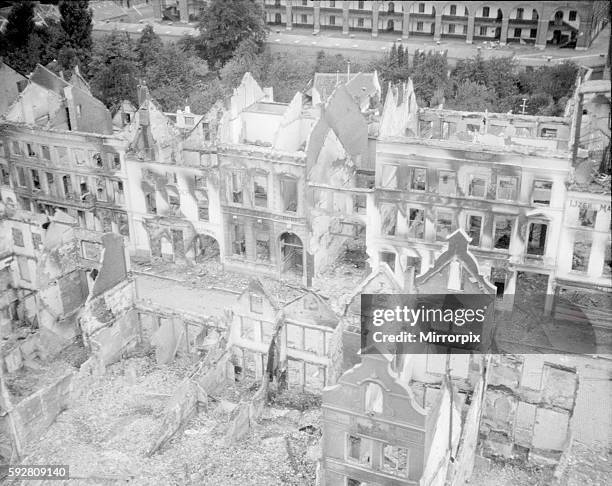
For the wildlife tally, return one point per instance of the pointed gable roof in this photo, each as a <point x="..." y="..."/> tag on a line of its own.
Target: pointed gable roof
<point x="256" y="287"/>
<point x="379" y="281"/>
<point x="342" y="116"/>
<point x="311" y="308"/>
<point x="457" y="250"/>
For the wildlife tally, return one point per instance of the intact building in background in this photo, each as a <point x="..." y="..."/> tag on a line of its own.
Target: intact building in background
<point x="568" y="24"/>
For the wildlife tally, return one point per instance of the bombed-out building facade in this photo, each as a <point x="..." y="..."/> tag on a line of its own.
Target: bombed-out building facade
<point x="423" y="201"/>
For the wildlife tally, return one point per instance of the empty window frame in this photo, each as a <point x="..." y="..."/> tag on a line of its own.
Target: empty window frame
<point x="5" y="175"/>
<point x="416" y="223"/>
<point x="444" y="225"/>
<point x="418" y="179"/>
<point x="21" y="177"/>
<point x="46" y="153"/>
<point x="51" y="183"/>
<point x="174" y="201"/>
<point x="586" y="216"/>
<point x="474" y="228"/>
<point x="447" y="183"/>
<point x="123" y="226"/>
<point x="581" y="253"/>
<point x="536" y="241"/>
<point x="35" y="180"/>
<point x="17" y="237"/>
<point x="503" y="232"/>
<point x="30" y="149"/>
<point x="260" y="190"/>
<point x="67" y="185"/>
<point x="101" y="191"/>
<point x="507" y="188"/>
<point x="388" y="219"/>
<point x="238" y="240"/>
<point x="541" y="192"/>
<point x="237" y="195"/>
<point x="262" y="246"/>
<point x="395" y="460"/>
<point x="373" y="398"/>
<point x="359" y="203"/>
<point x="83" y="187"/>
<point x="151" y="203"/>
<point x="359" y="449"/>
<point x="389" y="177"/>
<point x="478" y="187"/>
<point x="16" y="148"/>
<point x="289" y="194"/>
<point x="548" y="133"/>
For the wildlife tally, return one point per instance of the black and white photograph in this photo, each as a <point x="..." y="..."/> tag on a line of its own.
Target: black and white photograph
<point x="305" y="243"/>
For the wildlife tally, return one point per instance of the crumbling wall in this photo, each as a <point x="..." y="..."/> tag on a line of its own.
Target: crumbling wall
<point x="34" y="414"/>
<point x="110" y="323"/>
<point x="209" y="374"/>
<point x="528" y="406"/>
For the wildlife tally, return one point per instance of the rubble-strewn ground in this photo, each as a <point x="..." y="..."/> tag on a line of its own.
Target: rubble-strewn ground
<point x="103" y="436"/>
<point x="338" y="281"/>
<point x="37" y="373"/>
<point x="585" y="467"/>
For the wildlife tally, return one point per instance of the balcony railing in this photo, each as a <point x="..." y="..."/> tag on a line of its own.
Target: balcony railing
<point x="523" y="21"/>
<point x="488" y="20"/>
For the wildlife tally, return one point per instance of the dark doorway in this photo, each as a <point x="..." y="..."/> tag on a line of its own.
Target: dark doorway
<point x="206" y="249"/>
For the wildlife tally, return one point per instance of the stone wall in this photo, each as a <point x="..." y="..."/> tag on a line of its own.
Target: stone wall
<point x="528" y="406"/>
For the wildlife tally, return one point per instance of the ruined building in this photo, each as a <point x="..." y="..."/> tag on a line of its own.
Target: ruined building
<point x="502" y="178"/>
<point x="58" y="153"/>
<point x="233" y="180"/>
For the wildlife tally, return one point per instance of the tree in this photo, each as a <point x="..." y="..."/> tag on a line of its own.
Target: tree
<point x="471" y="96"/>
<point x="287" y="76"/>
<point x="148" y="47"/>
<point x="173" y="76"/>
<point x="246" y="59"/>
<point x="206" y="95"/>
<point x="498" y="74"/>
<point x="76" y="24"/>
<point x="20" y="44"/>
<point x="429" y="75"/>
<point x="114" y="68"/>
<point x="225" y="25"/>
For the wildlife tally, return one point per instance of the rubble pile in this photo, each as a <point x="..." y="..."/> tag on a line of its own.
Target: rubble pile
<point x="105" y="434"/>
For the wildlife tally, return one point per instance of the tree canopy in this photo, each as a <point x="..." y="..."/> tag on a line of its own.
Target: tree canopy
<point x="225" y="25"/>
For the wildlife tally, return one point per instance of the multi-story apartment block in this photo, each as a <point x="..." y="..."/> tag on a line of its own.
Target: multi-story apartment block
<point x="234" y="179"/>
<point x="541" y="23"/>
<point x="58" y="153"/>
<point x="501" y="178"/>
